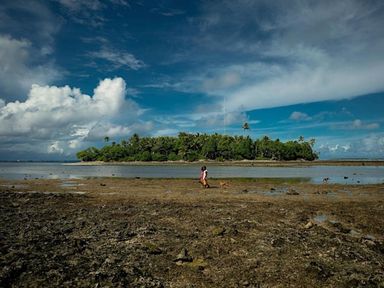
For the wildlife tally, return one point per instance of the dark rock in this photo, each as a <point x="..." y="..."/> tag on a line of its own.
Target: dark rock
<point x="341" y="228"/>
<point x="292" y="192"/>
<point x="218" y="231"/>
<point x="320" y="270"/>
<point x="309" y="225"/>
<point x="198" y="264"/>
<point x="148" y="282"/>
<point x="278" y="242"/>
<point x="183" y="256"/>
<point x="152" y="248"/>
<point x="379" y="247"/>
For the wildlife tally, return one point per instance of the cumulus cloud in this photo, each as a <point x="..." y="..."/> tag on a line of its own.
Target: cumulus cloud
<point x="55" y="147"/>
<point x="26" y="47"/>
<point x="49" y="107"/>
<point x="113" y="131"/>
<point x="62" y="117"/>
<point x="363" y="146"/>
<point x="18" y="72"/>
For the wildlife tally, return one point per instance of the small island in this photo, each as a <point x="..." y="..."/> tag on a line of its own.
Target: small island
<point x="194" y="147"/>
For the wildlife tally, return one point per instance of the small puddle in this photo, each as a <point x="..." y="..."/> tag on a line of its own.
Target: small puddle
<point x="43" y="192"/>
<point x="77" y="192"/>
<point x="53" y="192"/>
<point x="70" y="184"/>
<point x="354" y="233"/>
<point x="320" y="218"/>
<point x="17" y="186"/>
<point x="370" y="237"/>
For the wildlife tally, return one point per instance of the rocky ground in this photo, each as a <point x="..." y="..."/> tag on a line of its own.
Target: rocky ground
<point x="114" y="232"/>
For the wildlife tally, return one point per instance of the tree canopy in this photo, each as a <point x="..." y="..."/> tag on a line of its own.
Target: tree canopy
<point x="193" y="147"/>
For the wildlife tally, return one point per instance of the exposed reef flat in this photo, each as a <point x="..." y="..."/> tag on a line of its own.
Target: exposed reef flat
<point x="118" y="232"/>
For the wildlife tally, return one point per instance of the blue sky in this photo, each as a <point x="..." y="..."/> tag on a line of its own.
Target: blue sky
<point x="73" y="72"/>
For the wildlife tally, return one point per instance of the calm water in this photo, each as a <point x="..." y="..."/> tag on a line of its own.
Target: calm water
<point x="315" y="174"/>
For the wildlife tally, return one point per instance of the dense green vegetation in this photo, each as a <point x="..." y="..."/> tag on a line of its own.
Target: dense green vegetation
<point x="192" y="147"/>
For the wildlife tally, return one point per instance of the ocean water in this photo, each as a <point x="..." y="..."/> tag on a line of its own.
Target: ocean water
<point x="314" y="174"/>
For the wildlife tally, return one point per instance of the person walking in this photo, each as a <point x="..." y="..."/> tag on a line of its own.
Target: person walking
<point x="204" y="176"/>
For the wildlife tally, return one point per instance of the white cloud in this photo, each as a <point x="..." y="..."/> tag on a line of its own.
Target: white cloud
<point x="319" y="50"/>
<point x="356" y="124"/>
<point x="55" y="147"/>
<point x="180" y="121"/>
<point x="166" y="132"/>
<point x="299" y="116"/>
<point x="17" y="72"/>
<point x="78" y="5"/>
<point x="64" y="117"/>
<point x="27" y="30"/>
<point x="49" y="107"/>
<point x="118" y="58"/>
<point x="90" y="12"/>
<point x="85" y="12"/>
<point x="121" y="2"/>
<point x="74" y="144"/>
<point x="93" y="5"/>
<point x="219" y="119"/>
<point x="116" y="131"/>
<point x="224" y="81"/>
<point x="351" y="147"/>
<point x="101" y="130"/>
<point x="305" y="84"/>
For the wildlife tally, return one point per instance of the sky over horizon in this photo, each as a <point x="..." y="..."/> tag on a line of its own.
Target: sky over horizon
<point x="73" y="72"/>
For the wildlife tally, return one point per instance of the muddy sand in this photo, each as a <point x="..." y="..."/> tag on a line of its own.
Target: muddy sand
<point x="110" y="232"/>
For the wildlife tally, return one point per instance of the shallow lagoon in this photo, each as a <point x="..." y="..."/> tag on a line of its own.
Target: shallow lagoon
<point x="314" y="174"/>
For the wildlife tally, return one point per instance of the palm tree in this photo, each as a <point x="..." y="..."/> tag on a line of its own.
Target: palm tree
<point x="106" y="139"/>
<point x="265" y="138"/>
<point x="301" y="139"/>
<point x="312" y="142"/>
<point x="245" y="126"/>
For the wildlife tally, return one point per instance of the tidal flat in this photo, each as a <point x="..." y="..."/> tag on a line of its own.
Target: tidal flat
<point x="120" y="232"/>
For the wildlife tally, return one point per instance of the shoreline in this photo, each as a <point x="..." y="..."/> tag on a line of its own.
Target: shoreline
<point x="243" y="163"/>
